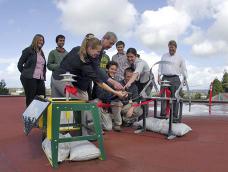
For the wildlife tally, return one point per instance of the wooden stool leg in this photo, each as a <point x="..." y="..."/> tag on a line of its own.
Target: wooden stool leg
<point x="97" y="127"/>
<point x="55" y="136"/>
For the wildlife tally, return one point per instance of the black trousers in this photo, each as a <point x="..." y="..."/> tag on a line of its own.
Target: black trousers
<point x="175" y="83"/>
<point x="32" y="88"/>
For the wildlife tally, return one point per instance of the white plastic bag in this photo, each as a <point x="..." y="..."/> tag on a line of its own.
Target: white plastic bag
<point x="162" y="126"/>
<point x="179" y="129"/>
<point x="63" y="150"/>
<point x="83" y="150"/>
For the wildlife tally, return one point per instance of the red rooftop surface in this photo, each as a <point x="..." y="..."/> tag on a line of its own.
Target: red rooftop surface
<point x="202" y="150"/>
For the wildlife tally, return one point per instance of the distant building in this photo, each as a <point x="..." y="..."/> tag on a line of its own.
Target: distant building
<point x="193" y="93"/>
<point x="20" y="91"/>
<point x="16" y="91"/>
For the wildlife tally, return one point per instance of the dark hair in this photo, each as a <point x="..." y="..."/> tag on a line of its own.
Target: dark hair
<point x="89" y="35"/>
<point x="138" y="55"/>
<point x="59" y="37"/>
<point x="129" y="69"/>
<point x="111" y="63"/>
<point x="172" y="42"/>
<point x="120" y="43"/>
<point x="132" y="50"/>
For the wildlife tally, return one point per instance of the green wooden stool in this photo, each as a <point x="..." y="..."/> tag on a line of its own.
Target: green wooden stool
<point x="51" y="124"/>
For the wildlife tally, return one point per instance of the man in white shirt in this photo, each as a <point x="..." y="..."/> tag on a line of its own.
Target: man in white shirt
<point x="171" y="72"/>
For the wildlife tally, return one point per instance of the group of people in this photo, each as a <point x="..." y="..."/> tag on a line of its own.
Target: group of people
<point x="117" y="81"/>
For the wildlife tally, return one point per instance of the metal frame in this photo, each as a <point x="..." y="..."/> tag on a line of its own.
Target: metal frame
<point x="170" y="134"/>
<point x="177" y="98"/>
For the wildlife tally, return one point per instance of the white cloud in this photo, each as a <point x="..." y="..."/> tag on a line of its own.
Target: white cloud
<point x="201" y="77"/>
<point x="196" y="36"/>
<point x="6" y="60"/>
<point x="89" y="16"/>
<point x="219" y="29"/>
<point x="150" y="57"/>
<point x="12" y="68"/>
<point x="209" y="48"/>
<point x="197" y="10"/>
<point x="206" y="19"/>
<point x="156" y="28"/>
<point x="9" y="72"/>
<point x="213" y="40"/>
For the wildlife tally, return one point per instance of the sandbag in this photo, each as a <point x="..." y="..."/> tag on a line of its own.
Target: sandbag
<point x="63" y="150"/>
<point x="83" y="150"/>
<point x="162" y="126"/>
<point x="179" y="129"/>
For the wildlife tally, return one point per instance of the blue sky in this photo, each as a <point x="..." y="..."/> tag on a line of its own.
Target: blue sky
<point x="199" y="29"/>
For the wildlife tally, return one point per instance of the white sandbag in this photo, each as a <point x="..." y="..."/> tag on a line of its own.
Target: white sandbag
<point x="63" y="150"/>
<point x="162" y="126"/>
<point x="153" y="124"/>
<point x="83" y="150"/>
<point x="179" y="129"/>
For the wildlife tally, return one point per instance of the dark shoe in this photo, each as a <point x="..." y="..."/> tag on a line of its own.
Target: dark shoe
<point x="176" y="120"/>
<point x="127" y="124"/>
<point x="139" y="127"/>
<point x="117" y="128"/>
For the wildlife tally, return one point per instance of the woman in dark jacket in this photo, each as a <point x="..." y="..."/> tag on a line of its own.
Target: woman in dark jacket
<point x="32" y="65"/>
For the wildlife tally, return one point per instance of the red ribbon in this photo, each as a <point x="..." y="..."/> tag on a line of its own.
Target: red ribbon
<point x="71" y="89"/>
<point x="143" y="103"/>
<point x="103" y="105"/>
<point x="168" y="94"/>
